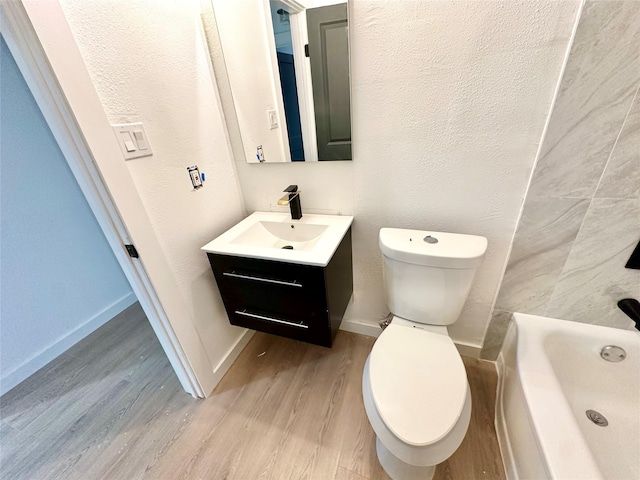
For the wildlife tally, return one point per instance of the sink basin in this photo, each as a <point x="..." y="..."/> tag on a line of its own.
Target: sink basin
<point x="311" y="240"/>
<point x="302" y="236"/>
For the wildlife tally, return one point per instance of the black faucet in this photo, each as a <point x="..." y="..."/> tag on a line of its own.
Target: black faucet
<point x="293" y="200"/>
<point x="631" y="307"/>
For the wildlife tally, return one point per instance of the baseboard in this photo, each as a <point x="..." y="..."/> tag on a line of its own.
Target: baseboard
<point x="468" y="350"/>
<point x="231" y="356"/>
<point x="500" y="365"/>
<point x="370" y="330"/>
<point x="362" y="328"/>
<point x="502" y="434"/>
<point x="40" y="359"/>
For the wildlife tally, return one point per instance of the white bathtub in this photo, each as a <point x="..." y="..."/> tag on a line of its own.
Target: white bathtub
<point x="550" y="373"/>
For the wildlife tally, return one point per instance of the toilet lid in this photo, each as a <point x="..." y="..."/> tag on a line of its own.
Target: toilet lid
<point x="418" y="383"/>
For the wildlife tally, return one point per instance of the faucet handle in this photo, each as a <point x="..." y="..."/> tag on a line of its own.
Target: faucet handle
<point x="288" y="197"/>
<point x="292" y="198"/>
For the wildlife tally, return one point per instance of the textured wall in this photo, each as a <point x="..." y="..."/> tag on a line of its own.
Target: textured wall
<point x="149" y="63"/>
<point x="581" y="219"/>
<point x="449" y="100"/>
<point x="59" y="278"/>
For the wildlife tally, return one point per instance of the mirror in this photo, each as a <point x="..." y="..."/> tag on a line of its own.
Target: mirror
<point x="288" y="67"/>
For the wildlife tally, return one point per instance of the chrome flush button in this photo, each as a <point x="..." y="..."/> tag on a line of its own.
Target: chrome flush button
<point x="430" y="239"/>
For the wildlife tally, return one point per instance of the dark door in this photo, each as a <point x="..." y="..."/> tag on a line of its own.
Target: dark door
<point x="291" y="108"/>
<point x="329" y="55"/>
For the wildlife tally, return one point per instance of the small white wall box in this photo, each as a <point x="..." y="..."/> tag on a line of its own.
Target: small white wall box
<point x="133" y="140"/>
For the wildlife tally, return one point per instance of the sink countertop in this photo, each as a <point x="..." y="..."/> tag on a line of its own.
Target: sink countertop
<point x="256" y="237"/>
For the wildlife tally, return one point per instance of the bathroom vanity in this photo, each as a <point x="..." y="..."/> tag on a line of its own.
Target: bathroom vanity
<point x="300" y="291"/>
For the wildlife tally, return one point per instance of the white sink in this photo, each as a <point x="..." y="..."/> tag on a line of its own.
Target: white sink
<point x="311" y="240"/>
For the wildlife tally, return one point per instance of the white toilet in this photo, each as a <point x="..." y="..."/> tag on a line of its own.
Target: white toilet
<point x="414" y="383"/>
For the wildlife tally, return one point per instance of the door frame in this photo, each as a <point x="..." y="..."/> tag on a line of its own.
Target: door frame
<point x="27" y="46"/>
<point x="299" y="37"/>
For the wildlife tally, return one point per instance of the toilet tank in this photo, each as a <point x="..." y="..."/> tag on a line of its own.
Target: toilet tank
<point x="427" y="275"/>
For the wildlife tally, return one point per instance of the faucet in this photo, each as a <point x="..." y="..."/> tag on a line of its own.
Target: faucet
<point x="631" y="307"/>
<point x="292" y="198"/>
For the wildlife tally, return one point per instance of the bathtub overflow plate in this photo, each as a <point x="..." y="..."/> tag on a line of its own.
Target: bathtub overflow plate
<point x="612" y="353"/>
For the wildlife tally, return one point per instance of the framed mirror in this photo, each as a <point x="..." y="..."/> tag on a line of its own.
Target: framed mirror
<point x="287" y="62"/>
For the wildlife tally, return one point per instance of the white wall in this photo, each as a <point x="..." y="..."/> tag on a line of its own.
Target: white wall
<point x="59" y="278"/>
<point x="449" y="100"/>
<point x="148" y="63"/>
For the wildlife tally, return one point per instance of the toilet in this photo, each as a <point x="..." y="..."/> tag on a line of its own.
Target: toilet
<point x="414" y="384"/>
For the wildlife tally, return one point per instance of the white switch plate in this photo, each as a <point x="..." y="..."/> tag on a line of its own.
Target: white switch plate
<point x="132" y="135"/>
<point x="273" y="119"/>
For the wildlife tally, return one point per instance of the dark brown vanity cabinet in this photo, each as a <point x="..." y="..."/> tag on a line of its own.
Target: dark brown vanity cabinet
<point x="302" y="302"/>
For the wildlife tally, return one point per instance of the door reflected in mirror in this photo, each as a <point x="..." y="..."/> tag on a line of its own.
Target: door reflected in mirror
<point x="288" y="69"/>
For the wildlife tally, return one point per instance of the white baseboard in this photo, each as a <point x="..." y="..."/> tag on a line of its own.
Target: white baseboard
<point x="502" y="434"/>
<point x="468" y="350"/>
<point x="40" y="359"/>
<point x="230" y="357"/>
<point x="362" y="328"/>
<point x="371" y="330"/>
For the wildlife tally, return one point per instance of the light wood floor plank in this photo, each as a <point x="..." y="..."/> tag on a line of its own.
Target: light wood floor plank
<point x="112" y="408"/>
<point x="358" y="446"/>
<point x="344" y="474"/>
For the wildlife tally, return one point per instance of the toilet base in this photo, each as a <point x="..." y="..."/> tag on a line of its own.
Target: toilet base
<point x="399" y="470"/>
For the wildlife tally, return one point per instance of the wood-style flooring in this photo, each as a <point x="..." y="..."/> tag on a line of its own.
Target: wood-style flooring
<point x="112" y="408"/>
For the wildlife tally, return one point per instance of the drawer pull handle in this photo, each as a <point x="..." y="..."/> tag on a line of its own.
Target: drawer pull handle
<point x="260" y="279"/>
<point x="270" y="319"/>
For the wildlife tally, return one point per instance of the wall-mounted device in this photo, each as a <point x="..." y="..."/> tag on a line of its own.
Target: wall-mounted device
<point x="133" y="140"/>
<point x="272" y="115"/>
<point x="196" y="178"/>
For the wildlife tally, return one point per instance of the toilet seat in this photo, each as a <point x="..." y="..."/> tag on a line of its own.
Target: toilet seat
<point x="418" y="383"/>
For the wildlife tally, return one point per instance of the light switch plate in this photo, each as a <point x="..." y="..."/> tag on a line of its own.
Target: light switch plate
<point x="133" y="140"/>
<point x="273" y="119"/>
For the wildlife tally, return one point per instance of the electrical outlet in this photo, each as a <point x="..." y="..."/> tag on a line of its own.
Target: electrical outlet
<point x="194" y="174"/>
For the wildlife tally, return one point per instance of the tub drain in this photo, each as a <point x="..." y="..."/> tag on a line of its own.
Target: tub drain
<point x="597" y="418"/>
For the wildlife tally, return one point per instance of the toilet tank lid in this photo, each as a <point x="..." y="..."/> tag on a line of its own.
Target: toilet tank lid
<point x="435" y="249"/>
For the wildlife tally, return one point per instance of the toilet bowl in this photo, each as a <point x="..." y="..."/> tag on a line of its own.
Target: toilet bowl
<point x="417" y="398"/>
<point x="414" y="385"/>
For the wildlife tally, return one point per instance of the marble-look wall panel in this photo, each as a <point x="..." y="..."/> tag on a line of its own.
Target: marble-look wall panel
<point x="546" y="232"/>
<point x="581" y="217"/>
<point x="620" y="178"/>
<point x="599" y="82"/>
<point x="594" y="278"/>
<point x="495" y="334"/>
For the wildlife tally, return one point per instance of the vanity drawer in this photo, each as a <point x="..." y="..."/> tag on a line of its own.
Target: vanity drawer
<point x="312" y="327"/>
<point x="279" y="286"/>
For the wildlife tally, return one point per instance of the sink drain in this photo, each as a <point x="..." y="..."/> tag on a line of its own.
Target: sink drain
<point x="287" y="247"/>
<point x="597" y="418"/>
